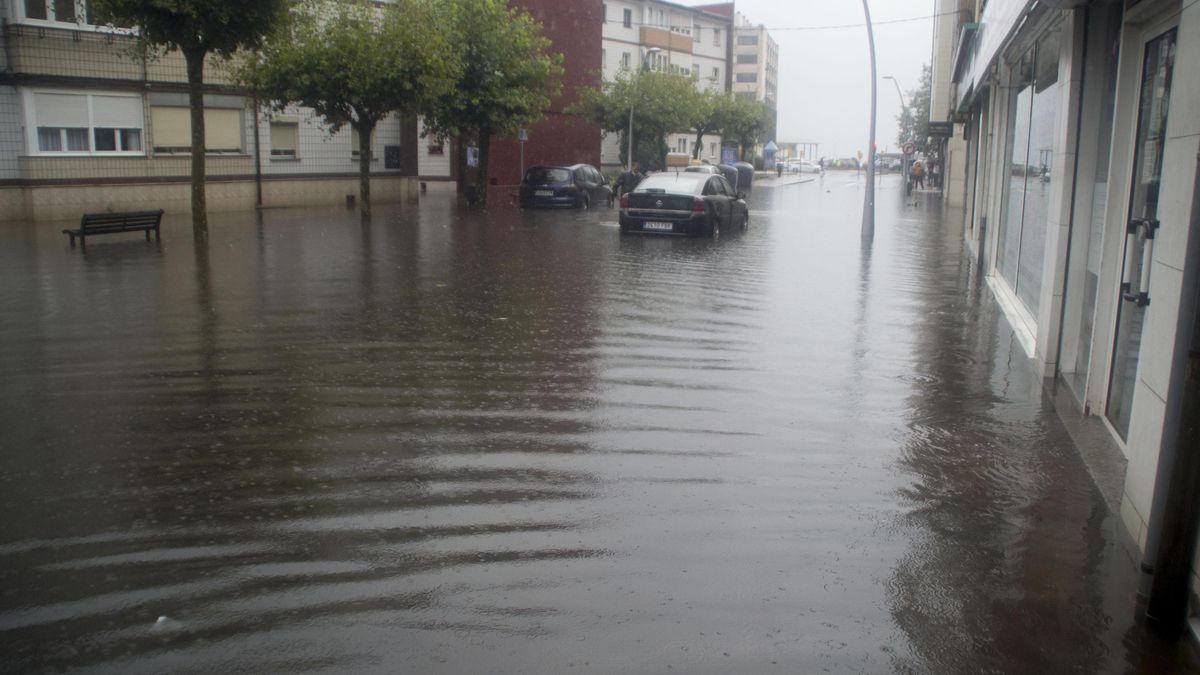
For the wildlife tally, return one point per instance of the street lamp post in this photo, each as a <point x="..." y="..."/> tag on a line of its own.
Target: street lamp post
<point x="868" y="220"/>
<point x="636" y="77"/>
<point x="903" y="115"/>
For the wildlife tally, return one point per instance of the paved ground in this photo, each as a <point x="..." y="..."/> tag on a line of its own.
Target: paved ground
<point x="449" y="442"/>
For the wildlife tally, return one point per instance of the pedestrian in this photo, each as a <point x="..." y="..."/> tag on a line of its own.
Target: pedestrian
<point x="935" y="175"/>
<point x="918" y="175"/>
<point x="627" y="181"/>
<point x="779" y="169"/>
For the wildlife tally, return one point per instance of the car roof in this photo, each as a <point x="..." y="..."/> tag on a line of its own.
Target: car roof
<point x="682" y="182"/>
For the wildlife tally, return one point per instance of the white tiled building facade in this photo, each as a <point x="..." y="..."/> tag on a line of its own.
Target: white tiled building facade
<point x="1079" y="196"/>
<point x="755" y="65"/>
<point x="86" y="126"/>
<point x="694" y="42"/>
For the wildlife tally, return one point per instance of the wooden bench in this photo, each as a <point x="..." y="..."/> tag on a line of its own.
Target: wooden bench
<point x="108" y="223"/>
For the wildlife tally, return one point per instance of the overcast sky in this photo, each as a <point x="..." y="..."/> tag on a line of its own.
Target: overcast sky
<point x="825" y="75"/>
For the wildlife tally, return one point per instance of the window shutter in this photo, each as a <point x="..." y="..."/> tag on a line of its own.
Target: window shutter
<point x="117" y="112"/>
<point x="172" y="127"/>
<point x="222" y="129"/>
<point x="61" y="110"/>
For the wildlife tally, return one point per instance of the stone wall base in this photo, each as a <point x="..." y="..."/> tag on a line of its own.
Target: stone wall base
<point x="68" y="202"/>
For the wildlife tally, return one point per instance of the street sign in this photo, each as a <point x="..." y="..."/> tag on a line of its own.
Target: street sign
<point x="523" y="135"/>
<point x="941" y="129"/>
<point x="909" y="148"/>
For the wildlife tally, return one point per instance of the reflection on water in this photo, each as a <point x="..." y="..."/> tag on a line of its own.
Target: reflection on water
<point x="446" y="442"/>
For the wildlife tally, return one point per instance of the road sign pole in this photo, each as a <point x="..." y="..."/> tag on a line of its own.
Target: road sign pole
<point x="868" y="219"/>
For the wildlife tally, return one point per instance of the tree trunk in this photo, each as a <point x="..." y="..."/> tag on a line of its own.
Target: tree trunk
<point x="195" y="75"/>
<point x="481" y="181"/>
<point x="699" y="140"/>
<point x="365" y="128"/>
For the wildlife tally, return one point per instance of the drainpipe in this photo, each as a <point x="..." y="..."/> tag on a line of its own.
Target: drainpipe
<point x="1171" y="536"/>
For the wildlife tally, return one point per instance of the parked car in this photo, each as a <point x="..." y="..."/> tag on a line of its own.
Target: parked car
<point x="578" y="185"/>
<point x="805" y="166"/>
<point x="703" y="168"/>
<point x="683" y="203"/>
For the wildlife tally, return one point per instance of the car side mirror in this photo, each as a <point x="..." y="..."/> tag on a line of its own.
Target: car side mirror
<point x="741" y="195"/>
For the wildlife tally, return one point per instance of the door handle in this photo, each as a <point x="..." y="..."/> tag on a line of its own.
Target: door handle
<point x="1143" y="228"/>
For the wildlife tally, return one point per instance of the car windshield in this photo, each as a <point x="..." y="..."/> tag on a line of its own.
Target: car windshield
<point x="679" y="183"/>
<point x="542" y="175"/>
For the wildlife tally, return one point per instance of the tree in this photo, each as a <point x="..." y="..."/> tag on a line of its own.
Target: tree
<point x="507" y="81"/>
<point x="749" y="121"/>
<point x="662" y="103"/>
<point x="196" y="28"/>
<point x="913" y="120"/>
<point x="354" y="63"/>
<point x="708" y="112"/>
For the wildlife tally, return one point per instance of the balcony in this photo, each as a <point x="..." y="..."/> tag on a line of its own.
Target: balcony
<point x="666" y="40"/>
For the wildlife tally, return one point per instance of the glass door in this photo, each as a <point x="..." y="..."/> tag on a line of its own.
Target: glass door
<point x="1158" y="63"/>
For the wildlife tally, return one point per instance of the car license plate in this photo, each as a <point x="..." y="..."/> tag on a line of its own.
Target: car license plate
<point x="543" y="193"/>
<point x="651" y="225"/>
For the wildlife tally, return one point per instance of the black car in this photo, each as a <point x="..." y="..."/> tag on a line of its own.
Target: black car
<point x="683" y="203"/>
<point x="578" y="185"/>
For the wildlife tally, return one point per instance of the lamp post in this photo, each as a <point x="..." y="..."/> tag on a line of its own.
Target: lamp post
<point x="868" y="220"/>
<point x="903" y="115"/>
<point x="636" y="76"/>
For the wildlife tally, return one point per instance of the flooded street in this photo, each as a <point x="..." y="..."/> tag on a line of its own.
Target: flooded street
<point x="452" y="442"/>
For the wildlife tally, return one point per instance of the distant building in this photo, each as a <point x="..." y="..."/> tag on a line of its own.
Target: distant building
<point x="694" y="42"/>
<point x="755" y="67"/>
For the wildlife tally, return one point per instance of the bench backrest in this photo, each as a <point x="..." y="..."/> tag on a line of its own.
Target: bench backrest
<point x="131" y="219"/>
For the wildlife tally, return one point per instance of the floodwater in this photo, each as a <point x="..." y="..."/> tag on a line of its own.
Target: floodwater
<point x="449" y="442"/>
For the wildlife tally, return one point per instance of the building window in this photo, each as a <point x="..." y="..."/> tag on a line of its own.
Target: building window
<point x="603" y="58"/>
<point x="717" y="37"/>
<point x="86" y="123"/>
<point x="695" y="71"/>
<point x="712" y="149"/>
<point x="747" y="77"/>
<point x="171" y="129"/>
<point x="603" y="13"/>
<point x="437" y="146"/>
<point x="284" y="138"/>
<point x="629" y="18"/>
<point x="747" y="39"/>
<point x="696" y="32"/>
<point x="625" y="60"/>
<point x="716" y="73"/>
<point x="681" y="145"/>
<point x="747" y="58"/>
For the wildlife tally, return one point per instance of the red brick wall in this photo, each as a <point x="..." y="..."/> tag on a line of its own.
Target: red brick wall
<point x="574" y="29"/>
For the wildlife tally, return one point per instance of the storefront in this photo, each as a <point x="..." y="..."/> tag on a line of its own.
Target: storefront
<point x="1083" y="136"/>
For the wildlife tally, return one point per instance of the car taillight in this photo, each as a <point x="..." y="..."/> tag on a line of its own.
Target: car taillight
<point x="569" y="188"/>
<point x="699" y="205"/>
<point x="625" y="200"/>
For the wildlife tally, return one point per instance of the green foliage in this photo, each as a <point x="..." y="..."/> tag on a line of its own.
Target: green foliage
<point x="508" y="76"/>
<point x="507" y="80"/>
<point x="205" y="26"/>
<point x="913" y="120"/>
<point x="748" y="122"/>
<point x="662" y="103"/>
<point x="354" y="63"/>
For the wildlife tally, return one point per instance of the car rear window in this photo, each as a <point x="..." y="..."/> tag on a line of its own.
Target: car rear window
<point x="683" y="182"/>
<point x="541" y="176"/>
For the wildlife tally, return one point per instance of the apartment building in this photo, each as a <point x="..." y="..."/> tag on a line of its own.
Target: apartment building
<point x="88" y="124"/>
<point x="755" y="67"/>
<point x="692" y="41"/>
<point x="1080" y="197"/>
